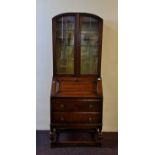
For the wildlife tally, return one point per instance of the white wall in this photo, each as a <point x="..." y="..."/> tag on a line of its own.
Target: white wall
<point x="46" y="9"/>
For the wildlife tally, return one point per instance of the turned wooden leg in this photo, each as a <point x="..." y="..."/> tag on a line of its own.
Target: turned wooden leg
<point x="53" y="135"/>
<point x="99" y="136"/>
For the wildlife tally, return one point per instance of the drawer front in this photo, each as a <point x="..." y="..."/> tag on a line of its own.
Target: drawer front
<point x="76" y="117"/>
<point x="76" y="105"/>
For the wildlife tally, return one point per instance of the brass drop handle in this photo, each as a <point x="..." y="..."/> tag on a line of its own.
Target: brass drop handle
<point x="90" y="106"/>
<point x="90" y="119"/>
<point x="61" y="105"/>
<point x="62" y="118"/>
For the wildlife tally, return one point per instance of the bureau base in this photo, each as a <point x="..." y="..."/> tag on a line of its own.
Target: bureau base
<point x="75" y="138"/>
<point x="76" y="112"/>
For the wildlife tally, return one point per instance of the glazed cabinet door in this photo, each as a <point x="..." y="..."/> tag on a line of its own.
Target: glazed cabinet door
<point x="77" y="41"/>
<point x="64" y="44"/>
<point x="89" y="45"/>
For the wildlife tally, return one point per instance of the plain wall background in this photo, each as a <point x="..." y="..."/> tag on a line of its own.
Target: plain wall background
<point x="106" y="9"/>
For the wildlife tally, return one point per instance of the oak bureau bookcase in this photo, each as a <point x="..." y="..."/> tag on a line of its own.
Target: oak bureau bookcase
<point x="76" y="93"/>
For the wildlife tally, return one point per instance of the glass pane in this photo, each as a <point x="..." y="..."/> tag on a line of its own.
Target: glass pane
<point x="89" y="45"/>
<point x="65" y="45"/>
<point x="89" y="60"/>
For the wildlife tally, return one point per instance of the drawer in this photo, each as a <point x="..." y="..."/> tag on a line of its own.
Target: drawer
<point x="76" y="117"/>
<point x="76" y="105"/>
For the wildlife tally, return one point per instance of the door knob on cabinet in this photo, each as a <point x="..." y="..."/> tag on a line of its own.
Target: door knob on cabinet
<point x="61" y="105"/>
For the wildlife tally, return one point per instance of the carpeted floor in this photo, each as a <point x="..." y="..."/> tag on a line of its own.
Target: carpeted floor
<point x="110" y="146"/>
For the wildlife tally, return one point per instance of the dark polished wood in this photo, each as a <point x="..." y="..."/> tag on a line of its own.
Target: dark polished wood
<point x="73" y="105"/>
<point x="76" y="95"/>
<point x="76" y="117"/>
